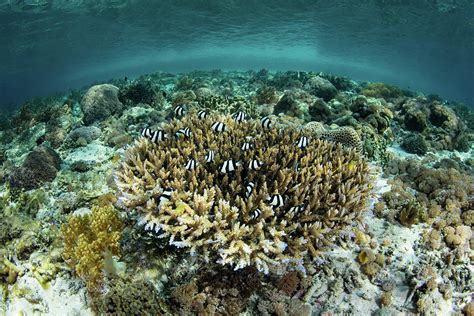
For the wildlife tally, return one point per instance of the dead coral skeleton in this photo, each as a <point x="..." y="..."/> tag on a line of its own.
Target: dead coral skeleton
<point x="283" y="196"/>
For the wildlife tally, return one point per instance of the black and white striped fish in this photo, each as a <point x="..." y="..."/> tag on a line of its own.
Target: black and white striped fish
<point x="218" y="127"/>
<point x="228" y="166"/>
<point x="246" y="146"/>
<point x="210" y="156"/>
<point x="146" y="132"/>
<point x="158" y="136"/>
<point x="302" y="142"/>
<point x="179" y="110"/>
<point x="255" y="213"/>
<point x="184" y="131"/>
<point x="191" y="164"/>
<point x="239" y="116"/>
<point x="266" y="122"/>
<point x="276" y="200"/>
<point x="166" y="195"/>
<point x="202" y="114"/>
<point x="249" y="189"/>
<point x="255" y="164"/>
<point x="296" y="209"/>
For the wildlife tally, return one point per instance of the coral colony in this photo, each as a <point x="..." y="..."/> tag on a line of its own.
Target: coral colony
<point x="267" y="196"/>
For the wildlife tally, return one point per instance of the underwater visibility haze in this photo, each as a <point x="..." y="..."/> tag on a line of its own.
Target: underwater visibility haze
<point x="54" y="45"/>
<point x="236" y="157"/>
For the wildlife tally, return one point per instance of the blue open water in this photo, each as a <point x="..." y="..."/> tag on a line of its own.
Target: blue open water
<point x="53" y="45"/>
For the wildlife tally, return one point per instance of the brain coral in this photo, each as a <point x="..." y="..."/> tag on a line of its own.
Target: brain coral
<point x="287" y="197"/>
<point x="346" y="136"/>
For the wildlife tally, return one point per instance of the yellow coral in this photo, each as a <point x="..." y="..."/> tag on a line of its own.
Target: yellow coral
<point x="381" y="90"/>
<point x="346" y="136"/>
<point x="88" y="238"/>
<point x="457" y="236"/>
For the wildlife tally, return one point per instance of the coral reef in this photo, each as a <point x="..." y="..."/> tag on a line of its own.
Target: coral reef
<point x="88" y="240"/>
<point x="221" y="204"/>
<point x="410" y="213"/>
<point x="266" y="95"/>
<point x="227" y="105"/>
<point x="376" y="112"/>
<point x="213" y="210"/>
<point x="320" y="110"/>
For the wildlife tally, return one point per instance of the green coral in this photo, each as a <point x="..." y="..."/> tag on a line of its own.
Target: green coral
<point x="375" y="145"/>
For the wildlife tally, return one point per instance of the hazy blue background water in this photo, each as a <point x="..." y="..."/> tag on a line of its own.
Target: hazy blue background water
<point x="53" y="45"/>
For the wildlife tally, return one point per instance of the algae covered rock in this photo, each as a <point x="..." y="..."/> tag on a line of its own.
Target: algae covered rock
<point x="415" y="120"/>
<point x="91" y="154"/>
<point x="99" y="102"/>
<point x="139" y="92"/>
<point x="321" y="87"/>
<point x="129" y="298"/>
<point x="294" y="102"/>
<point x="441" y="116"/>
<point x="41" y="165"/>
<point x="382" y="90"/>
<point x="415" y="144"/>
<point x="320" y="110"/>
<point x="83" y="135"/>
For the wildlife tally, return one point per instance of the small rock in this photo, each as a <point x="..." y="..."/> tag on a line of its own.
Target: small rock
<point x="87" y="157"/>
<point x="83" y="135"/>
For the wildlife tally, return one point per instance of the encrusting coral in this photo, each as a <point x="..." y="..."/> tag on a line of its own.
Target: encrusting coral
<point x="245" y="194"/>
<point x="129" y="297"/>
<point x="346" y="136"/>
<point x="88" y="239"/>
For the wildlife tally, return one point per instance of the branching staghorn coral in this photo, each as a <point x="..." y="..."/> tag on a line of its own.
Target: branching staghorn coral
<point x="286" y="197"/>
<point x="88" y="239"/>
